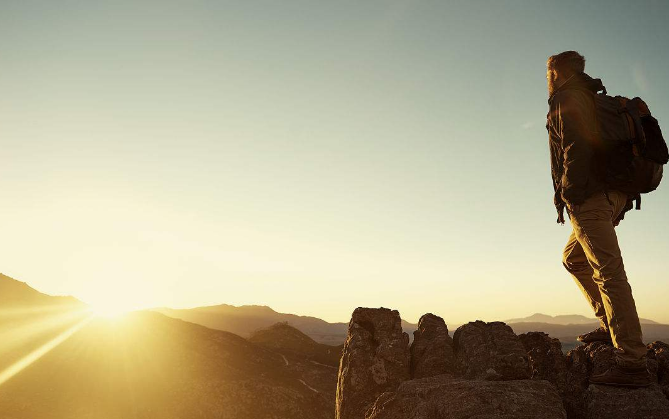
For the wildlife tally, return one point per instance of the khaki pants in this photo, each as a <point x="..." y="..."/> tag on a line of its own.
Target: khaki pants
<point x="592" y="256"/>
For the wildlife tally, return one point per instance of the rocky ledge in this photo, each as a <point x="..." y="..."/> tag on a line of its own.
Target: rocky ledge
<point x="484" y="371"/>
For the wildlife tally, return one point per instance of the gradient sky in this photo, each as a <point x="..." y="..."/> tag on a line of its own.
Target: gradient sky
<point x="310" y="156"/>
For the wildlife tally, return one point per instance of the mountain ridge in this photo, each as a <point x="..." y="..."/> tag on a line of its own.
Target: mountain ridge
<point x="244" y="320"/>
<point x="13" y="292"/>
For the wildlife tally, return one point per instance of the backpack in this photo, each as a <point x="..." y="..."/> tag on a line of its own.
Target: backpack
<point x="632" y="143"/>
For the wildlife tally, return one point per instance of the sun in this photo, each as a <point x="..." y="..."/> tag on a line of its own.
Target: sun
<point x="111" y="303"/>
<point x="110" y="311"/>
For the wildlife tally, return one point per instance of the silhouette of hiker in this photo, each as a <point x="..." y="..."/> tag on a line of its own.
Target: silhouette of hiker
<point x="592" y="255"/>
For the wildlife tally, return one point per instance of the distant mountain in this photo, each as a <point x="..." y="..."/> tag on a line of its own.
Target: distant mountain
<point x="29" y="318"/>
<point x="66" y="364"/>
<point x="286" y="339"/>
<point x="244" y="320"/>
<point x="563" y="319"/>
<point x="301" y="354"/>
<point x="16" y="293"/>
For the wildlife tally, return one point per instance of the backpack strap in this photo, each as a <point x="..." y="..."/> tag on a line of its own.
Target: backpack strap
<point x="633" y="108"/>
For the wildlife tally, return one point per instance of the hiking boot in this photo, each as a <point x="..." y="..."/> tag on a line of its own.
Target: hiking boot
<point x="623" y="377"/>
<point x="598" y="335"/>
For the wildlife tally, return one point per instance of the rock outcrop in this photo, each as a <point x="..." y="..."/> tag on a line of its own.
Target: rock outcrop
<point x="432" y="348"/>
<point x="486" y="372"/>
<point x="659" y="353"/>
<point x="586" y="401"/>
<point x="442" y="397"/>
<point x="375" y="360"/>
<point x="547" y="362"/>
<point x="490" y="351"/>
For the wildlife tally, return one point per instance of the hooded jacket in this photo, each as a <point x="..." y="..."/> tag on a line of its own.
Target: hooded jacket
<point x="577" y="161"/>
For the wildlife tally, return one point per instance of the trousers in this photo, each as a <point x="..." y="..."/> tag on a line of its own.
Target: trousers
<point x="592" y="257"/>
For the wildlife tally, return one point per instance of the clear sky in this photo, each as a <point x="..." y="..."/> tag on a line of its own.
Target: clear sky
<point x="310" y="156"/>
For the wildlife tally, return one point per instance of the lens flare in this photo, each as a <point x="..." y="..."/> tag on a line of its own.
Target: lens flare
<point x="33" y="356"/>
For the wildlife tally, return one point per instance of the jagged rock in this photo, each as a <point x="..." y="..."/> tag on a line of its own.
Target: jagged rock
<point x="490" y="351"/>
<point x="547" y="362"/>
<point x="582" y="362"/>
<point x="442" y="397"/>
<point x="375" y="360"/>
<point x="432" y="348"/>
<point x="607" y="402"/>
<point x="489" y="370"/>
<point x="659" y="353"/>
<point x="578" y="373"/>
<point x="585" y="401"/>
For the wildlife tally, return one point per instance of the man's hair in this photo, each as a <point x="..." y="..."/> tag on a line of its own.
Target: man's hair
<point x="567" y="62"/>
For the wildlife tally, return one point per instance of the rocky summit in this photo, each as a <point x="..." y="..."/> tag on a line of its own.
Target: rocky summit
<point x="375" y="360"/>
<point x="587" y="401"/>
<point x="432" y="348"/>
<point x="490" y="351"/>
<point x="484" y="371"/>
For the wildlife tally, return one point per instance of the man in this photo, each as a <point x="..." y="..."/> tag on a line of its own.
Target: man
<point x="592" y="255"/>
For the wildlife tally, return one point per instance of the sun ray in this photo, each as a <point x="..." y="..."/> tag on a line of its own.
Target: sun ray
<point x="17" y="333"/>
<point x="40" y="309"/>
<point x="33" y="356"/>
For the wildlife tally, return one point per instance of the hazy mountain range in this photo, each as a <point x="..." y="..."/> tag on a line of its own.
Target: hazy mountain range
<point x="244" y="320"/>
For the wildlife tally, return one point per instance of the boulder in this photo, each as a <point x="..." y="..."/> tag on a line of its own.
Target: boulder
<point x="547" y="362"/>
<point x="607" y="402"/>
<point x="443" y="397"/>
<point x="490" y="351"/>
<point x="582" y="362"/>
<point x="576" y="382"/>
<point x="659" y="353"/>
<point x="432" y="348"/>
<point x="375" y="359"/>
<point x="585" y="401"/>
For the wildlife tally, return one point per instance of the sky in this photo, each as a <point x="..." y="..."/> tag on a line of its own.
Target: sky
<point x="310" y="156"/>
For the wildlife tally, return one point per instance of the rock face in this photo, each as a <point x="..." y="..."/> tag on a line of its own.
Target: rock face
<point x="484" y="372"/>
<point x="375" y="360"/>
<point x="490" y="351"/>
<point x="659" y="352"/>
<point x="585" y="401"/>
<point x="606" y="402"/>
<point x="547" y="362"/>
<point x="442" y="397"/>
<point x="432" y="348"/>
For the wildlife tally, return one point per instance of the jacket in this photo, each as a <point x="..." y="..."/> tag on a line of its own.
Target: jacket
<point x="578" y="165"/>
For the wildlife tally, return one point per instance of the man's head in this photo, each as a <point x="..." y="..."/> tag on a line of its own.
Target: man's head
<point x="562" y="66"/>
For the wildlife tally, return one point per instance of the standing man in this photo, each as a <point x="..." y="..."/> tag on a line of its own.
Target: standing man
<point x="592" y="255"/>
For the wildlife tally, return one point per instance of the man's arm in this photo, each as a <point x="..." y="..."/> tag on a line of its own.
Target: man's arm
<point x="555" y="148"/>
<point x="577" y="127"/>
